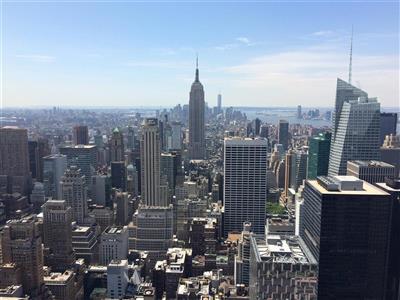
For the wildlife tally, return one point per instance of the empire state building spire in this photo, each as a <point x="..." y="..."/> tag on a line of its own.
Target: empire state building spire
<point x="197" y="144"/>
<point x="197" y="69"/>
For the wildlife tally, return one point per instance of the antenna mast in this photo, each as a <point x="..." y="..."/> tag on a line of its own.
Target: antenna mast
<point x="351" y="55"/>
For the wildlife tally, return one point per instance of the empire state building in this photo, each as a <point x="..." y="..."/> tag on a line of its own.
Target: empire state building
<point x="197" y="144"/>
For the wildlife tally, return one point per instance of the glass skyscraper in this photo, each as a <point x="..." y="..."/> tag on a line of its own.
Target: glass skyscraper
<point x="318" y="155"/>
<point x="356" y="135"/>
<point x="346" y="226"/>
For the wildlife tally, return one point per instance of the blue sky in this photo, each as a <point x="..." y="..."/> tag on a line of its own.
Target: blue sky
<point x="141" y="54"/>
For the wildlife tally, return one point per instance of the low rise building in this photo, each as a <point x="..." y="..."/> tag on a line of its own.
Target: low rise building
<point x="281" y="267"/>
<point x="61" y="285"/>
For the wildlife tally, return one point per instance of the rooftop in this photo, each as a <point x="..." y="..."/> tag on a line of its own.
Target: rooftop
<point x="278" y="249"/>
<point x="370" y="163"/>
<point x="233" y="141"/>
<point x="58" y="277"/>
<point x="346" y="185"/>
<point x="114" y="230"/>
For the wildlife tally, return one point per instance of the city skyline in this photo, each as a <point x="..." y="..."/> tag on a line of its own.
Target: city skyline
<point x="55" y="60"/>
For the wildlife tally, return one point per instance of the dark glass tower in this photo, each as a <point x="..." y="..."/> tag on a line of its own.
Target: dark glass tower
<point x="346" y="225"/>
<point x="388" y="125"/>
<point x="318" y="155"/>
<point x="283" y="134"/>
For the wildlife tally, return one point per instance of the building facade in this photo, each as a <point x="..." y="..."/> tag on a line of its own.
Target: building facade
<point x="318" y="155"/>
<point x="357" y="135"/>
<point x="345" y="223"/>
<point x="57" y="235"/>
<point x="245" y="183"/>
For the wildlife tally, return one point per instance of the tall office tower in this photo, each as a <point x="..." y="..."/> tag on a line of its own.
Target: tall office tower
<point x="299" y="114"/>
<point x="392" y="186"/>
<point x="176" y="143"/>
<point x="82" y="156"/>
<point x="242" y="259"/>
<point x="21" y="244"/>
<point x="98" y="140"/>
<point x="150" y="163"/>
<point x="388" y="125"/>
<point x="390" y="151"/>
<point x="117" y="279"/>
<point x="37" y="150"/>
<point x="346" y="226"/>
<point x="257" y="126"/>
<point x="118" y="175"/>
<point x="57" y="235"/>
<point x="132" y="180"/>
<point x="357" y="135"/>
<point x="245" y="183"/>
<point x="264" y="131"/>
<point x="14" y="159"/>
<point x="290" y="173"/>
<point x="122" y="208"/>
<point x="281" y="268"/>
<point x="318" y="155"/>
<point x="167" y="137"/>
<point x="54" y="167"/>
<point x="130" y="138"/>
<point x="219" y="103"/>
<point x="74" y="192"/>
<point x="301" y="167"/>
<point x="37" y="197"/>
<point x="117" y="151"/>
<point x="345" y="92"/>
<point x="113" y="244"/>
<point x="283" y="134"/>
<point x="161" y="131"/>
<point x="171" y="169"/>
<point x="249" y="130"/>
<point x="197" y="140"/>
<point x="371" y="171"/>
<point x="100" y="193"/>
<point x="81" y="135"/>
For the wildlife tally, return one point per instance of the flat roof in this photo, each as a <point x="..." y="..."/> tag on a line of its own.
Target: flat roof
<point x="370" y="163"/>
<point x="58" y="277"/>
<point x="239" y="141"/>
<point x="275" y="248"/>
<point x="368" y="189"/>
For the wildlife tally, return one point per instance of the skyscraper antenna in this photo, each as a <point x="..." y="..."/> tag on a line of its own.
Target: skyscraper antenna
<point x="197" y="68"/>
<point x="351" y="55"/>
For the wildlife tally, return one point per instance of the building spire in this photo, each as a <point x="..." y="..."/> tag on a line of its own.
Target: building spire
<point x="351" y="55"/>
<point x="197" y="68"/>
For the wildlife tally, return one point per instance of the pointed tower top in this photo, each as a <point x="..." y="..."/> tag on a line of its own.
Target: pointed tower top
<point x="351" y="55"/>
<point x="197" y="68"/>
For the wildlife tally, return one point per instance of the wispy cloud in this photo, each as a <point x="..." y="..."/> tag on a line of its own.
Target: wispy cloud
<point x="307" y="74"/>
<point x="323" y="33"/>
<point x="239" y="42"/>
<point x="36" y="58"/>
<point x="228" y="46"/>
<point x="243" y="40"/>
